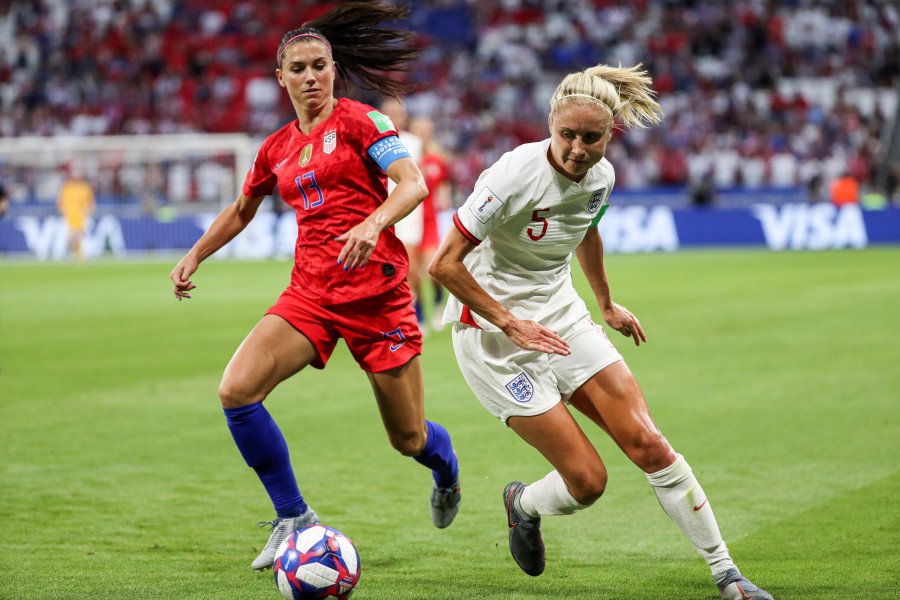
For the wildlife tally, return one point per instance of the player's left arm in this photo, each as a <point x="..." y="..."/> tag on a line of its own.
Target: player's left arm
<point x="590" y="256"/>
<point x="360" y="241"/>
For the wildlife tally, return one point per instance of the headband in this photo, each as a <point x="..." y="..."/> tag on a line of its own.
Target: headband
<point x="602" y="103"/>
<point x="313" y="35"/>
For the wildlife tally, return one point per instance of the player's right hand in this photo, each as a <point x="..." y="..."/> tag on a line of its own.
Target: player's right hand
<point x="180" y="277"/>
<point x="531" y="335"/>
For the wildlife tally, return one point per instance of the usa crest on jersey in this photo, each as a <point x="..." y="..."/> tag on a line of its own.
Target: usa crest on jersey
<point x="329" y="142"/>
<point x="521" y="388"/>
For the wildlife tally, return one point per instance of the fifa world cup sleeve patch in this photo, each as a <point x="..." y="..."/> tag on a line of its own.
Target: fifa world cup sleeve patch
<point x="382" y="121"/>
<point x="387" y="150"/>
<point x="485" y="204"/>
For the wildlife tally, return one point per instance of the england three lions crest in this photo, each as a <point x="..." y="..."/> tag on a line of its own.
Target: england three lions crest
<point x="597" y="200"/>
<point x="329" y="142"/>
<point x="521" y="388"/>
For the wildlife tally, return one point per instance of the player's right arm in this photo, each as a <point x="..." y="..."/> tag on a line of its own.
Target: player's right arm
<point x="449" y="270"/>
<point x="230" y="222"/>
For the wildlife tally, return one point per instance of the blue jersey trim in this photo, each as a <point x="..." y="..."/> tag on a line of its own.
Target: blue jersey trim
<point x="386" y="150"/>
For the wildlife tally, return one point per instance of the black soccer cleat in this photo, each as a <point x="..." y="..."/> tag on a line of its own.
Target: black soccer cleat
<point x="734" y="586"/>
<point x="444" y="504"/>
<point x="525" y="543"/>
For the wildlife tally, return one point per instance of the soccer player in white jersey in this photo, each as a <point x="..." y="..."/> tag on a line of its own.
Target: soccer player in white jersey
<point x="525" y="341"/>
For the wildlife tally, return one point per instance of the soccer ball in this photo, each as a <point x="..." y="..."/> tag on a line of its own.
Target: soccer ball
<point x="316" y="562"/>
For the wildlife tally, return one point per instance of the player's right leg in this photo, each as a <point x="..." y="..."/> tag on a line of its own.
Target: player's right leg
<point x="520" y="389"/>
<point x="577" y="482"/>
<point x="271" y="353"/>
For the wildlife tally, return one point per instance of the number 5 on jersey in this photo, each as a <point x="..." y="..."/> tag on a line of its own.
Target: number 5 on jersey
<point x="537" y="218"/>
<point x="307" y="181"/>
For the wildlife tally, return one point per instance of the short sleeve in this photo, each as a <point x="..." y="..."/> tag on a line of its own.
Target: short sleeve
<point x="371" y="126"/>
<point x="261" y="180"/>
<point x="603" y="206"/>
<point x="488" y="206"/>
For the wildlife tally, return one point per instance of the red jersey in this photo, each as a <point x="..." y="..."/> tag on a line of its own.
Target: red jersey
<point x="331" y="181"/>
<point x="435" y="172"/>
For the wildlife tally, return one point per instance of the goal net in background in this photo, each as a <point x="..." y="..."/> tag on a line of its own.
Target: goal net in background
<point x="154" y="193"/>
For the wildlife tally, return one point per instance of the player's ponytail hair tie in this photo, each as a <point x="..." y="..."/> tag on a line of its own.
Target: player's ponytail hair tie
<point x="298" y="36"/>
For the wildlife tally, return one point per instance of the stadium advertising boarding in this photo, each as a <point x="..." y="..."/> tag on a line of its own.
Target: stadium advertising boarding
<point x="625" y="229"/>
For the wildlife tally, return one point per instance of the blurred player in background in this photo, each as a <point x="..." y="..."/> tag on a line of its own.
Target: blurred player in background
<point x="437" y="179"/>
<point x="349" y="277"/>
<point x="76" y="204"/>
<point x="410" y="228"/>
<point x="4" y="201"/>
<point x="525" y="341"/>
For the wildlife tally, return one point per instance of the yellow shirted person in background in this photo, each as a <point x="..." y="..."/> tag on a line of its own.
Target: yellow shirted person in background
<point x="76" y="204"/>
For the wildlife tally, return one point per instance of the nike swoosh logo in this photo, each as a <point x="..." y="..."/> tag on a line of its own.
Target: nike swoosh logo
<point x="279" y="164"/>
<point x="395" y="346"/>
<point x="701" y="505"/>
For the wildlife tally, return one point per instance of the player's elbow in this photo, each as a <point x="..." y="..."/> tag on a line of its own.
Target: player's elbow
<point x="422" y="188"/>
<point x="437" y="269"/>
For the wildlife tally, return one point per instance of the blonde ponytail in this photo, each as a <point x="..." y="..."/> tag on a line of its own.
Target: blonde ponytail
<point x="624" y="91"/>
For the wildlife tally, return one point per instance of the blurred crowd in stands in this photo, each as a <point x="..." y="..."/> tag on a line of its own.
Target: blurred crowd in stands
<point x="756" y="93"/>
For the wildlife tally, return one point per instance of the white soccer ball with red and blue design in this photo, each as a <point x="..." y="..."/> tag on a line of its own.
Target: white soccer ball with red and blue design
<point x="316" y="562"/>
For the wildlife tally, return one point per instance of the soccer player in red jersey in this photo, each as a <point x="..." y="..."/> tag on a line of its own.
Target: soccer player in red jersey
<point x="349" y="278"/>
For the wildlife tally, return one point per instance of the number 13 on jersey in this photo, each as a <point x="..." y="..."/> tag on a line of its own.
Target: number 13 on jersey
<point x="307" y="182"/>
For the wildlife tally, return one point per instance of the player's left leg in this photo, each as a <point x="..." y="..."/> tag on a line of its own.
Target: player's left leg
<point x="400" y="396"/>
<point x="613" y="399"/>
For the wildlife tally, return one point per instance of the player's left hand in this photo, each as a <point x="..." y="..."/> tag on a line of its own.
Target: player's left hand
<point x="181" y="277"/>
<point x="622" y="320"/>
<point x="359" y="244"/>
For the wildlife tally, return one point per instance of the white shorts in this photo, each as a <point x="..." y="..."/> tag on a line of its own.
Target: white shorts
<point x="510" y="381"/>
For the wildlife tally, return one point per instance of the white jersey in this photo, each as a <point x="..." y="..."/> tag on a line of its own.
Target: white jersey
<point x="527" y="220"/>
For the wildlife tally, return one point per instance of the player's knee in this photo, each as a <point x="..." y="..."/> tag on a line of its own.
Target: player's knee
<point x="589" y="485"/>
<point x="408" y="443"/>
<point x="233" y="395"/>
<point x="651" y="452"/>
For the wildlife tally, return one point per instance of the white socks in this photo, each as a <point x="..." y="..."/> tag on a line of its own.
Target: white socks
<point x="682" y="498"/>
<point x="548" y="496"/>
<point x="678" y="492"/>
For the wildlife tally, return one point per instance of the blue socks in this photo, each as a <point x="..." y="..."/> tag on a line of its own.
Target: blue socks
<point x="438" y="456"/>
<point x="263" y="447"/>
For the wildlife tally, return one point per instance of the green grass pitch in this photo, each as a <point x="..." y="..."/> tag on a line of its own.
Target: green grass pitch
<point x="777" y="375"/>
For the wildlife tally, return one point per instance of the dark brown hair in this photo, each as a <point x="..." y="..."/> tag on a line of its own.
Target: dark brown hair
<point x="364" y="49"/>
